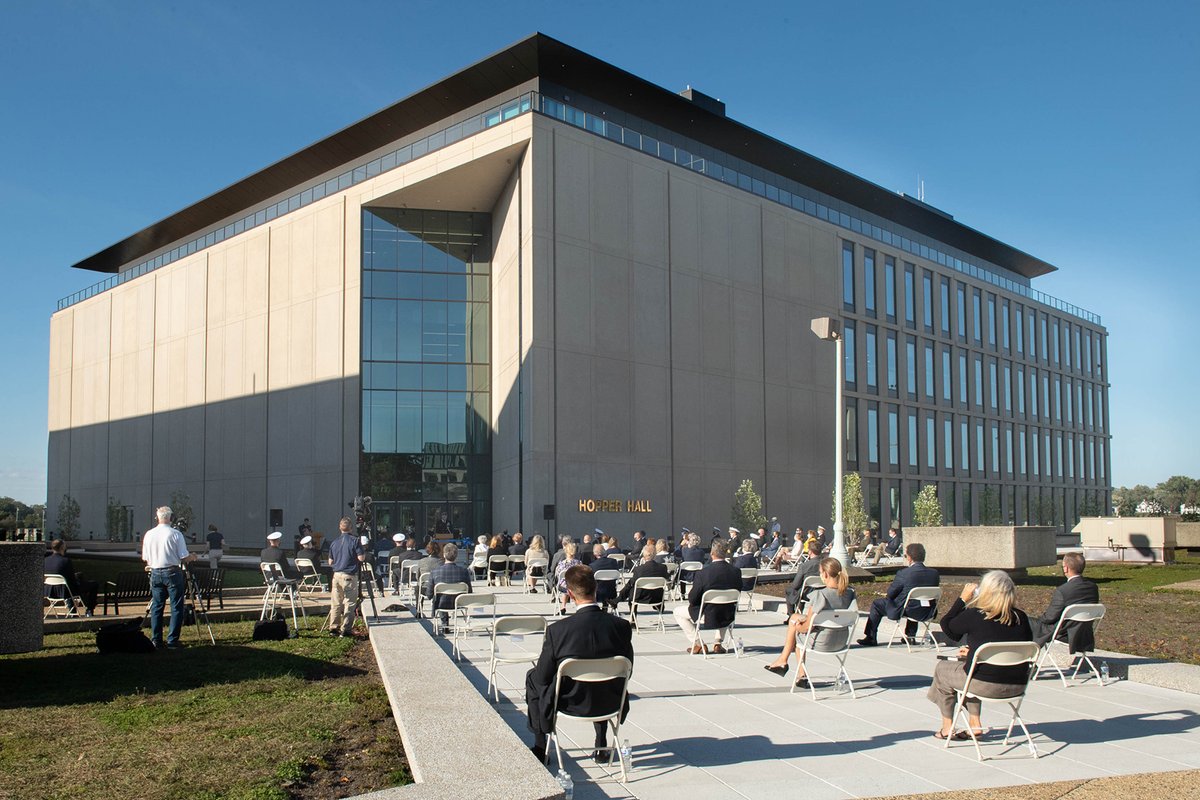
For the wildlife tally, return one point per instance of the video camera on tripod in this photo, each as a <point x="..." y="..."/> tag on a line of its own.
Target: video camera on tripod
<point x="363" y="514"/>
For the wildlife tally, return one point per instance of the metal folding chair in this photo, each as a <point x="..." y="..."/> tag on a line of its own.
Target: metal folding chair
<point x="714" y="597"/>
<point x="497" y="570"/>
<point x="466" y="606"/>
<point x="439" y="589"/>
<point x="749" y="574"/>
<point x="68" y="602"/>
<point x="310" y="578"/>
<point x="1000" y="654"/>
<point x="928" y="597"/>
<point x="845" y="619"/>
<point x="634" y="603"/>
<point x="512" y="627"/>
<point x="1089" y="613"/>
<point x="592" y="670"/>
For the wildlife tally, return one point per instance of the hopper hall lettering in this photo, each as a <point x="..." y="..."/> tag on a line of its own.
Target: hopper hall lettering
<point x="590" y="506"/>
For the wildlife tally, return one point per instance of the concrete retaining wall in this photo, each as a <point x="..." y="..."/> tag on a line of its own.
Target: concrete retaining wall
<point x="457" y="745"/>
<point x="21" y="596"/>
<point x="1187" y="534"/>
<point x="985" y="547"/>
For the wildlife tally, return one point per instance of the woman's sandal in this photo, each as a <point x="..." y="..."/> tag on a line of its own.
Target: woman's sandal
<point x="957" y="736"/>
<point x="780" y="671"/>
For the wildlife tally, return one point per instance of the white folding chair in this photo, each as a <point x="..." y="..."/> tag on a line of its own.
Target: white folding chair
<point x="927" y="597"/>
<point x="749" y="574"/>
<point x="449" y="589"/>
<point x="540" y="563"/>
<point x="310" y="578"/>
<point x="622" y="562"/>
<point x="512" y="627"/>
<point x="716" y="597"/>
<point x="687" y="574"/>
<point x="807" y="587"/>
<point x="408" y="577"/>
<point x="592" y="670"/>
<point x="648" y="584"/>
<point x="608" y="576"/>
<point x="68" y="602"/>
<point x="845" y="620"/>
<point x="998" y="654"/>
<point x="1082" y="613"/>
<point x="279" y="587"/>
<point x="497" y="570"/>
<point x="672" y="576"/>
<point x="466" y="608"/>
<point x="516" y="564"/>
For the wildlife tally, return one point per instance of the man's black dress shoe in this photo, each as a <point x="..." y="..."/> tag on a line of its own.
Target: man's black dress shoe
<point x="865" y="642"/>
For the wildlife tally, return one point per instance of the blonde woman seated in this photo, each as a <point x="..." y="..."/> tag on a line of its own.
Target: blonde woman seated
<point x="536" y="551"/>
<point x="836" y="595"/>
<point x="990" y="616"/>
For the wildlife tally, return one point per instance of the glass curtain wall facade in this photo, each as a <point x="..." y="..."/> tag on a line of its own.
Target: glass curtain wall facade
<point x="1019" y="422"/>
<point x="426" y="393"/>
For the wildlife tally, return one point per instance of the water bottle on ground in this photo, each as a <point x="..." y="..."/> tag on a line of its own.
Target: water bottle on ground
<point x="626" y="753"/>
<point x="1103" y="672"/>
<point x="841" y="683"/>
<point x="739" y="646"/>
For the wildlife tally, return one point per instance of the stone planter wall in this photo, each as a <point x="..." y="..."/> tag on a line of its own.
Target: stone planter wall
<point x="985" y="546"/>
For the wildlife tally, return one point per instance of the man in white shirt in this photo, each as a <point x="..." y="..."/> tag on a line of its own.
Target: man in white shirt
<point x="164" y="550"/>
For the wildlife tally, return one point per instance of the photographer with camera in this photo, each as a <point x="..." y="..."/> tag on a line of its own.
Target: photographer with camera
<point x="345" y="558"/>
<point x="164" y="550"/>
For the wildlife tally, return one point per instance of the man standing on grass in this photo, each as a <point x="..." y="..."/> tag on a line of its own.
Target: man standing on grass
<point x="164" y="550"/>
<point x="346" y="558"/>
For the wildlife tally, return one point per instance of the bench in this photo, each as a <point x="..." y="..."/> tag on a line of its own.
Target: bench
<point x="209" y="583"/>
<point x="129" y="587"/>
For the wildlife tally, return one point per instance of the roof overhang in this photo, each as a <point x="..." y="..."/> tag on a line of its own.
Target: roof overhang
<point x="540" y="57"/>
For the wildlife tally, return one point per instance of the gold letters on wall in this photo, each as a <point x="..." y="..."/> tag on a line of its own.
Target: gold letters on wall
<point x="591" y="506"/>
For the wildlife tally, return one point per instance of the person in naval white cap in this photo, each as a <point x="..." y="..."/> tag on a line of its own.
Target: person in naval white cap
<point x="273" y="552"/>
<point x="308" y="551"/>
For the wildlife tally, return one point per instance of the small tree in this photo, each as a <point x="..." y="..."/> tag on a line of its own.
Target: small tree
<point x="114" y="516"/>
<point x="181" y="505"/>
<point x="927" y="511"/>
<point x="854" y="512"/>
<point x="747" y="513"/>
<point x="68" y="517"/>
<point x="989" y="506"/>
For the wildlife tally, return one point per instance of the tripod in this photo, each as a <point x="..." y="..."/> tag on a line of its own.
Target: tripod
<point x="366" y="577"/>
<point x="191" y="594"/>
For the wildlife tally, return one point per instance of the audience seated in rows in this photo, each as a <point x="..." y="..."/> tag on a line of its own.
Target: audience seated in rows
<point x="796" y="593"/>
<point x="446" y="572"/>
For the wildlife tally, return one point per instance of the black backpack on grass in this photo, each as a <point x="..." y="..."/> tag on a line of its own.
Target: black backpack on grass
<point x="271" y="630"/>
<point x="123" y="637"/>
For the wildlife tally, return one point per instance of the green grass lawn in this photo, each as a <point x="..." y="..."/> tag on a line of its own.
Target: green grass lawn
<point x="305" y="717"/>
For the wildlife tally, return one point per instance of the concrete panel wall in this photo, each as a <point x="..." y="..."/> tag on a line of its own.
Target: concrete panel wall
<point x="683" y="360"/>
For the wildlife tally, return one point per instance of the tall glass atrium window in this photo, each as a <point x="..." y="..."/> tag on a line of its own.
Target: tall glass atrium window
<point x="848" y="275"/>
<point x="426" y="378"/>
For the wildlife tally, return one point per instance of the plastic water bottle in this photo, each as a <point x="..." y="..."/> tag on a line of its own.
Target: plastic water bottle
<point x="568" y="785"/>
<point x="739" y="646"/>
<point x="1103" y="672"/>
<point x="626" y="752"/>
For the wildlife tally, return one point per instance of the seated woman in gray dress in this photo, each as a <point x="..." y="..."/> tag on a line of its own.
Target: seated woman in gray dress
<point x="989" y="615"/>
<point x="836" y="595"/>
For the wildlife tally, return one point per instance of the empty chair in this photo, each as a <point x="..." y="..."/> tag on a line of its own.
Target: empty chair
<point x="512" y="627"/>
<point x="593" y="670"/>
<point x="60" y="596"/>
<point x="1000" y="654"/>
<point x="715" y="597"/>
<point x="927" y="598"/>
<point x="1090" y="613"/>
<point x="621" y="559"/>
<point x="840" y="623"/>
<point x="749" y="577"/>
<point x="467" y="608"/>
<point x="643" y="586"/>
<point x="409" y="575"/>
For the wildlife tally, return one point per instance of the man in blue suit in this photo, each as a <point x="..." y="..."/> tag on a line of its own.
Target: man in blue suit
<point x="913" y="575"/>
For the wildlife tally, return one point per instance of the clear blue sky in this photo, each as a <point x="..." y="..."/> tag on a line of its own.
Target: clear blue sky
<point x="1067" y="130"/>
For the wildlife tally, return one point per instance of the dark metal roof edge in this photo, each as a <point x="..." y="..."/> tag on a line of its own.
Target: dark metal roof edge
<point x="537" y="56"/>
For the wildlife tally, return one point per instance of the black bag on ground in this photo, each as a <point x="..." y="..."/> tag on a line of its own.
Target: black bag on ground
<point x="123" y="637"/>
<point x="270" y="630"/>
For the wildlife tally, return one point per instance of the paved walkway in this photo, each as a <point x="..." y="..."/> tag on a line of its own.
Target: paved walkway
<point x="724" y="727"/>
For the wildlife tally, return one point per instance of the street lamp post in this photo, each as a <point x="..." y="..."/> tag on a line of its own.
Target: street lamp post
<point x="828" y="328"/>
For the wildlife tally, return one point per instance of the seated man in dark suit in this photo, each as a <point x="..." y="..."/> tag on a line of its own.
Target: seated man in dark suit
<point x="447" y="572"/>
<point x="606" y="591"/>
<point x="57" y="563"/>
<point x="718" y="574"/>
<point x="588" y="633"/>
<point x="747" y="559"/>
<point x="1077" y="589"/>
<point x="649" y="568"/>
<point x="913" y="575"/>
<point x="796" y="592"/>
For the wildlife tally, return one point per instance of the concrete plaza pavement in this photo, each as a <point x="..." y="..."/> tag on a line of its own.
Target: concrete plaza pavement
<point x="724" y="727"/>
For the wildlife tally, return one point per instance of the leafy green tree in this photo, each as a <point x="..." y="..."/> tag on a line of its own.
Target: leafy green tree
<point x="114" y="519"/>
<point x="747" y="513"/>
<point x="68" y="517"/>
<point x="989" y="506"/>
<point x="1175" y="492"/>
<point x="927" y="511"/>
<point x="181" y="505"/>
<point x="854" y="512"/>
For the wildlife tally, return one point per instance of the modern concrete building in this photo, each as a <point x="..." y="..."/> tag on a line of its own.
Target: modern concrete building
<point x="544" y="282"/>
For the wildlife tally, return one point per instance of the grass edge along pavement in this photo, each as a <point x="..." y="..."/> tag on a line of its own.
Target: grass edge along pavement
<point x="300" y="718"/>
